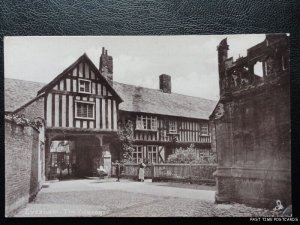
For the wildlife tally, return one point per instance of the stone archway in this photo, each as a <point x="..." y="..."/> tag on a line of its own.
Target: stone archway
<point x="85" y="155"/>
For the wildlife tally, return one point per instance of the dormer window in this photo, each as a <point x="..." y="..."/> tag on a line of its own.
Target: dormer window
<point x="84" y="86"/>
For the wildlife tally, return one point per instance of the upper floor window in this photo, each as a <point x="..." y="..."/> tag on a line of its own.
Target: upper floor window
<point x="84" y="86"/>
<point x="146" y="123"/>
<point x="204" y="129"/>
<point x="85" y="110"/>
<point x="172" y="126"/>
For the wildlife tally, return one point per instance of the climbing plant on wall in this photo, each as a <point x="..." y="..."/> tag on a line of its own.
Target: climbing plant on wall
<point x="126" y="138"/>
<point x="21" y="120"/>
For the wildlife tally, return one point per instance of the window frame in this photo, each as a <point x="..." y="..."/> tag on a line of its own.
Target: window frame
<point x="174" y="130"/>
<point x="79" y="86"/>
<point x="151" y="153"/>
<point x="137" y="152"/>
<point x="84" y="102"/>
<point x="145" y="121"/>
<point x="207" y="130"/>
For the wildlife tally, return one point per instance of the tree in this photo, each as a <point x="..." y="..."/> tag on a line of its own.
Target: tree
<point x="126" y="138"/>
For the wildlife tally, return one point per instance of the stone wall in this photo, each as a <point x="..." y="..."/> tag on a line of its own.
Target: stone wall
<point x="252" y="127"/>
<point x="21" y="166"/>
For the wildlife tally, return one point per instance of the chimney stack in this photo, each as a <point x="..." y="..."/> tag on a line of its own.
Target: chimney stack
<point x="165" y="83"/>
<point x="106" y="66"/>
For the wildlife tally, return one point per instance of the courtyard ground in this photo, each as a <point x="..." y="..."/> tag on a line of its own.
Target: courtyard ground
<point x="95" y="197"/>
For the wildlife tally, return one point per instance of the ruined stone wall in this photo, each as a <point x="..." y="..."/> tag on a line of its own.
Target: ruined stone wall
<point x="252" y="133"/>
<point x="21" y="166"/>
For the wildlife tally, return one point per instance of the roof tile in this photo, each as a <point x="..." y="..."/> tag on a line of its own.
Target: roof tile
<point x="136" y="99"/>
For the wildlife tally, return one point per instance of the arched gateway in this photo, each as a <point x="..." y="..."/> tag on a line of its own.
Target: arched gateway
<point x="80" y="106"/>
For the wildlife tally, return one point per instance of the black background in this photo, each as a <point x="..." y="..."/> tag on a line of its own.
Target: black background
<point x="158" y="17"/>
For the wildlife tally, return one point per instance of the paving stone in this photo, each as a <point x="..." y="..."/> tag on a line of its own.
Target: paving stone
<point x="95" y="198"/>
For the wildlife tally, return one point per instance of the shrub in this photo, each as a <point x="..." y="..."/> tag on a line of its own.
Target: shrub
<point x="189" y="155"/>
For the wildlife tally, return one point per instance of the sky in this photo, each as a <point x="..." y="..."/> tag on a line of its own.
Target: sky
<point x="190" y="60"/>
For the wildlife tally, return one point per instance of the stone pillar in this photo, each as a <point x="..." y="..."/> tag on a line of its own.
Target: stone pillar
<point x="106" y="156"/>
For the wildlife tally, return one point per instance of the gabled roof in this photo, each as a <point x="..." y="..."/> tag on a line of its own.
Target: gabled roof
<point x="146" y="100"/>
<point x="136" y="99"/>
<point x="86" y="59"/>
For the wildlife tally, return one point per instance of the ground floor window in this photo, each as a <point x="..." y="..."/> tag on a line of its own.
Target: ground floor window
<point x="137" y="154"/>
<point x="152" y="154"/>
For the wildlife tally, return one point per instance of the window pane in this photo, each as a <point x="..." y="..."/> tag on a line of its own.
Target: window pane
<point x="90" y="111"/>
<point x="84" y="86"/>
<point x="87" y="86"/>
<point x="85" y="110"/>
<point x="139" y="124"/>
<point x="153" y="123"/>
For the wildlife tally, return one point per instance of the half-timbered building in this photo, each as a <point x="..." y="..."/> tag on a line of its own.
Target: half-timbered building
<point x="85" y="106"/>
<point x="164" y="120"/>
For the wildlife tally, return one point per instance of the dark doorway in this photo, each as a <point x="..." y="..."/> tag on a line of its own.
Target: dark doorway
<point x="88" y="154"/>
<point x="74" y="157"/>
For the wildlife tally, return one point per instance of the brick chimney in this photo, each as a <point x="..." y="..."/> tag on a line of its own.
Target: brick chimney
<point x="106" y="66"/>
<point x="165" y="83"/>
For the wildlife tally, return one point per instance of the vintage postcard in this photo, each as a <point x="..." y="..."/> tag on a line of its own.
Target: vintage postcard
<point x="147" y="126"/>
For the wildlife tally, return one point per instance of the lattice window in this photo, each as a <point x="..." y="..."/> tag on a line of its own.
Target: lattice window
<point x="85" y="110"/>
